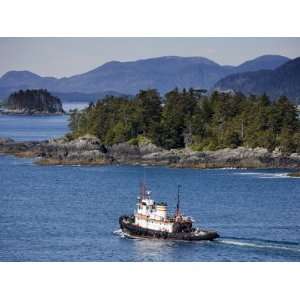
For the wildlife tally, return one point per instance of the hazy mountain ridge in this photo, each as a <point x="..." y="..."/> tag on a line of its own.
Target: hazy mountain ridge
<point x="161" y="73"/>
<point x="284" y="80"/>
<point x="265" y="62"/>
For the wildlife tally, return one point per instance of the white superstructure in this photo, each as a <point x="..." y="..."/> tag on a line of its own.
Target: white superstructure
<point x="152" y="215"/>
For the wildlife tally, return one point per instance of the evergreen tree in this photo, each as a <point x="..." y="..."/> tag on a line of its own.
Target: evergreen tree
<point x="189" y="118"/>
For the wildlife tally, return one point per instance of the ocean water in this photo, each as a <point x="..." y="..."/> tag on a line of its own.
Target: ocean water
<point x="74" y="105"/>
<point x="37" y="127"/>
<point x="33" y="128"/>
<point x="70" y="213"/>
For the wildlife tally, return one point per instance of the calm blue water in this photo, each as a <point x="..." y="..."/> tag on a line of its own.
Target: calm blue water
<point x="22" y="128"/>
<point x="70" y="213"/>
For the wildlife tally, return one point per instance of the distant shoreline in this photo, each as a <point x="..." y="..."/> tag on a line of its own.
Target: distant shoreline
<point x="20" y="113"/>
<point x="294" y="174"/>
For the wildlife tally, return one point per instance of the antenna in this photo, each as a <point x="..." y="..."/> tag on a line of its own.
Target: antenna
<point x="178" y="200"/>
<point x="143" y="185"/>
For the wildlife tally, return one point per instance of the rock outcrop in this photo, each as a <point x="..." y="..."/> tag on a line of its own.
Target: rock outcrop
<point x="126" y="152"/>
<point x="33" y="102"/>
<point x="89" y="150"/>
<point x="4" y="140"/>
<point x="22" y="149"/>
<point x="294" y="174"/>
<point x="84" y="150"/>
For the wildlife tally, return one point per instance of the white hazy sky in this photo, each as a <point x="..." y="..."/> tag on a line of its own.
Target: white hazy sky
<point x="69" y="56"/>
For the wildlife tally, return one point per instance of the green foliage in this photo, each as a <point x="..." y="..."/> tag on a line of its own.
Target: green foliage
<point x="139" y="140"/>
<point x="187" y="118"/>
<point x="287" y="142"/>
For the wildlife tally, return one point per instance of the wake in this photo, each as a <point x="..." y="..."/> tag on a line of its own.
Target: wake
<point x="265" y="175"/>
<point x="123" y="235"/>
<point x="120" y="233"/>
<point x="261" y="244"/>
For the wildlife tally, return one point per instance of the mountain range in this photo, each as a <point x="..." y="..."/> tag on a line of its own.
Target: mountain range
<point x="162" y="73"/>
<point x="282" y="81"/>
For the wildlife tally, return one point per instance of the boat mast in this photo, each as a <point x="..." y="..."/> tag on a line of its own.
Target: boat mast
<point x="143" y="186"/>
<point x="142" y="191"/>
<point x="178" y="201"/>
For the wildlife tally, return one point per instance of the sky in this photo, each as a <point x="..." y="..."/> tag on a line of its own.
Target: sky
<point x="62" y="57"/>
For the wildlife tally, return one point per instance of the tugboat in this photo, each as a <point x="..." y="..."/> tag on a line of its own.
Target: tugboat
<point x="151" y="220"/>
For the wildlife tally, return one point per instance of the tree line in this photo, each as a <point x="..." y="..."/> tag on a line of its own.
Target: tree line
<point x="188" y="118"/>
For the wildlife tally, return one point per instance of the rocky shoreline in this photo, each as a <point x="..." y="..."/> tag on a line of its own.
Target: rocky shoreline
<point x="294" y="174"/>
<point x="32" y="112"/>
<point x="89" y="150"/>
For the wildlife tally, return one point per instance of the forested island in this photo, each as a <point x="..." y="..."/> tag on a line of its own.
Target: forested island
<point x="190" y="119"/>
<point x="185" y="128"/>
<point x="32" y="102"/>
